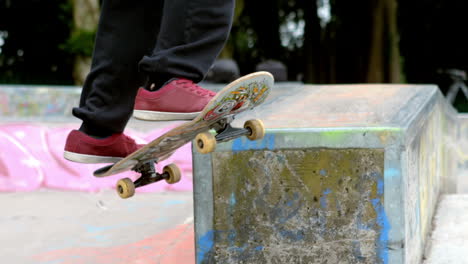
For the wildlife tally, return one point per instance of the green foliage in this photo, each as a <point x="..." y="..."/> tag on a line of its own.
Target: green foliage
<point x="81" y="42"/>
<point x="66" y="10"/>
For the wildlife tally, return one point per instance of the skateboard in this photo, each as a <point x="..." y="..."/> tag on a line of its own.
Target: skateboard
<point x="211" y="126"/>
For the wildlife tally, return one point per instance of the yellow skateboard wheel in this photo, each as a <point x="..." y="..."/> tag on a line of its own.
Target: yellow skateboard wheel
<point x="205" y="142"/>
<point x="256" y="127"/>
<point x="125" y="188"/>
<point x="174" y="173"/>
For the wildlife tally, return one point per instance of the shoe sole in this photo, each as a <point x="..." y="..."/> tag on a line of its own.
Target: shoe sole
<point x="83" y="158"/>
<point x="163" y="116"/>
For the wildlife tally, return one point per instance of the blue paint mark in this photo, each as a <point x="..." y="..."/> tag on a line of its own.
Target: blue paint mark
<point x="282" y="220"/>
<point x="174" y="202"/>
<point x="205" y="245"/>
<point x="283" y="214"/>
<point x="259" y="248"/>
<point x="294" y="236"/>
<point x="323" y="172"/>
<point x="392" y="172"/>
<point x="97" y="229"/>
<point x="323" y="199"/>
<point x="238" y="249"/>
<point x="101" y="238"/>
<point x="380" y="187"/>
<point x="382" y="221"/>
<point x="232" y="200"/>
<point x="161" y="219"/>
<point x="242" y="144"/>
<point x="231" y="237"/>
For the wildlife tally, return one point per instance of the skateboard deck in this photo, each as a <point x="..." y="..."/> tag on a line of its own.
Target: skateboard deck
<point x="241" y="95"/>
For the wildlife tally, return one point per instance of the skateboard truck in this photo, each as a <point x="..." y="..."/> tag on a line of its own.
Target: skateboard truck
<point x="126" y="187"/>
<point x="226" y="132"/>
<point x="206" y="142"/>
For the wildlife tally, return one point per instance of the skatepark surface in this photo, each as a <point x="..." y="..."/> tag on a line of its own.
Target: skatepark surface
<point x="55" y="212"/>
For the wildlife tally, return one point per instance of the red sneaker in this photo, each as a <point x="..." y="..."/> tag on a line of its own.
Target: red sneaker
<point x="85" y="149"/>
<point x="180" y="99"/>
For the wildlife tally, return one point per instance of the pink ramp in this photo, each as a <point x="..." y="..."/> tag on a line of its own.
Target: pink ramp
<point x="31" y="157"/>
<point x="21" y="168"/>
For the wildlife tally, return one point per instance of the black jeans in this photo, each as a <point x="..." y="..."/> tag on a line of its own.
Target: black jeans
<point x="140" y="38"/>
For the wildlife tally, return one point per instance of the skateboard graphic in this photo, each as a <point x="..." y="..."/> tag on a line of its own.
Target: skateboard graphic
<point x="240" y="95"/>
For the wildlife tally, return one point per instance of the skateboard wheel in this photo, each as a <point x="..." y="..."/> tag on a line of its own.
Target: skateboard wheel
<point x="174" y="173"/>
<point x="125" y="188"/>
<point x="205" y="142"/>
<point x="257" y="129"/>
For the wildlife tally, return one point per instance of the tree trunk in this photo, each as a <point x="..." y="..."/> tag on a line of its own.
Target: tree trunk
<point x="85" y="18"/>
<point x="384" y="58"/>
<point x="314" y="51"/>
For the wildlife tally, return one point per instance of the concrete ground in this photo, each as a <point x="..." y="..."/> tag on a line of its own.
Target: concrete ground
<point x="449" y="239"/>
<point x="61" y="227"/>
<point x="52" y="227"/>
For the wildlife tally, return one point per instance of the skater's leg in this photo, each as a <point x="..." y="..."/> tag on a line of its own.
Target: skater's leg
<point x="127" y="31"/>
<point x="192" y="35"/>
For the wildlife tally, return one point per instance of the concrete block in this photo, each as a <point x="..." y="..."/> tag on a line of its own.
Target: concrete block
<point x="345" y="174"/>
<point x="38" y="103"/>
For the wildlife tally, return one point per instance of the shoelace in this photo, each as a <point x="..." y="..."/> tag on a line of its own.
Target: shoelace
<point x="193" y="87"/>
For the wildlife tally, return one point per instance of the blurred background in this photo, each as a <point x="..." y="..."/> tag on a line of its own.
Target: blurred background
<point x="318" y="42"/>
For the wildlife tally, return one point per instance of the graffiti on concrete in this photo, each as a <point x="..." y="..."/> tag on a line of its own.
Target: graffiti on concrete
<point x="38" y="102"/>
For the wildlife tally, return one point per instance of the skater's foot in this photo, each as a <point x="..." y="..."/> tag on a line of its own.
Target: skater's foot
<point x="179" y="99"/>
<point x="86" y="149"/>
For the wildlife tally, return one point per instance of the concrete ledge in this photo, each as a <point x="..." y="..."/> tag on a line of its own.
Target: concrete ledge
<point x="347" y="174"/>
<point x="459" y="148"/>
<point x="37" y="103"/>
<point x="45" y="103"/>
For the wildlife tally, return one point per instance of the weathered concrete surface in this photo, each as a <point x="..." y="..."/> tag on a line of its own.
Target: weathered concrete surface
<point x="411" y="124"/>
<point x="284" y="203"/>
<point x="45" y="227"/>
<point x="448" y="243"/>
<point x="461" y="161"/>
